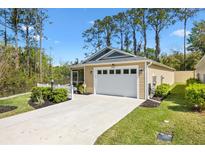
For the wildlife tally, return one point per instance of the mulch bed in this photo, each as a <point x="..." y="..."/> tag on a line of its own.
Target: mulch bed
<point x="150" y="103"/>
<point x="157" y="98"/>
<point x="7" y="108"/>
<point x="36" y="105"/>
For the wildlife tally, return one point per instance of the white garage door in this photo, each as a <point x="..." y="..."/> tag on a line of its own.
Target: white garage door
<point x="116" y="81"/>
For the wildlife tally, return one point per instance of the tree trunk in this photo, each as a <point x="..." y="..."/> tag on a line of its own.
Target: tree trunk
<point x="185" y="22"/>
<point x="145" y="38"/>
<point x="108" y="37"/>
<point x="40" y="53"/>
<point x="157" y="43"/>
<point x="121" y="40"/>
<point x="134" y="42"/>
<point x="145" y="44"/>
<point x="98" y="41"/>
<point x="16" y="37"/>
<point x="16" y="49"/>
<point x="5" y="28"/>
<point x="126" y="42"/>
<point x="27" y="49"/>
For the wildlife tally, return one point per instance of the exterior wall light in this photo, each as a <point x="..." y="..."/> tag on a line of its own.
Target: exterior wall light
<point x="141" y="70"/>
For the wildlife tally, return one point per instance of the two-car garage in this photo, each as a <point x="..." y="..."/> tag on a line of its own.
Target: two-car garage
<point x="117" y="81"/>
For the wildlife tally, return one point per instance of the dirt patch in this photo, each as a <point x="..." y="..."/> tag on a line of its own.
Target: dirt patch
<point x="7" y="108"/>
<point x="150" y="103"/>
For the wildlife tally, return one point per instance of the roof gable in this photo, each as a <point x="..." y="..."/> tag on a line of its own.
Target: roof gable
<point x="98" y="54"/>
<point x="201" y="62"/>
<point x="108" y="53"/>
<point x="116" y="54"/>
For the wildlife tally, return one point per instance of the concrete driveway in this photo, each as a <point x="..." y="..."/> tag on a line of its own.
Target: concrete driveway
<point x="79" y="121"/>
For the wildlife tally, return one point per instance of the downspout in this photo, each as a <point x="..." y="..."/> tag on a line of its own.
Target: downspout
<point x="147" y="79"/>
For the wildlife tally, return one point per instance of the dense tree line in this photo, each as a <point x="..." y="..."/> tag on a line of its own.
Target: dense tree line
<point x="23" y="61"/>
<point x="129" y="29"/>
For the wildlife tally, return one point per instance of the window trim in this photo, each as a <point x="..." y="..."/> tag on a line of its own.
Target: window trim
<point x="100" y="72"/>
<point x="126" y="69"/>
<point x="105" y="71"/>
<point x="133" y="69"/>
<point x="112" y="70"/>
<point x="118" y="70"/>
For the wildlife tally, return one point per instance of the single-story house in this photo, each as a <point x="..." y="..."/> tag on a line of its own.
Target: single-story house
<point x="115" y="72"/>
<point x="200" y="69"/>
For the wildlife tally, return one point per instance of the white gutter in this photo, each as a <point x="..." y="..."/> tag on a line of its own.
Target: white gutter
<point x="147" y="76"/>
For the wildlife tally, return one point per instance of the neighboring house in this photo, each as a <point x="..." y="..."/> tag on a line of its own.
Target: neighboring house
<point x="200" y="69"/>
<point x="114" y="72"/>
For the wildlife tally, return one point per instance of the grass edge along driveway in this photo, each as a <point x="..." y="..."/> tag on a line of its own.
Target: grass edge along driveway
<point x="20" y="102"/>
<point x="142" y="125"/>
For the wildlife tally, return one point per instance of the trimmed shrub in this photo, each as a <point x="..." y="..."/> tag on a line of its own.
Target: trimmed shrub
<point x="81" y="89"/>
<point x="59" y="95"/>
<point x="195" y="95"/>
<point x="46" y="94"/>
<point x="36" y="94"/>
<point x="162" y="90"/>
<point x="192" y="81"/>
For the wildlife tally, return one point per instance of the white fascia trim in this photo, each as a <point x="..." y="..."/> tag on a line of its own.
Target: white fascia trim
<point x="120" y="62"/>
<point x="77" y="66"/>
<point x="198" y="64"/>
<point x="159" y="64"/>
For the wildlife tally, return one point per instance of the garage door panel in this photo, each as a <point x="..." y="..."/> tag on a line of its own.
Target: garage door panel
<point x="117" y="84"/>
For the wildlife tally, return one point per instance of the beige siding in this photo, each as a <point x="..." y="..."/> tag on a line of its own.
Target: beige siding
<point x="182" y="76"/>
<point x="159" y="71"/>
<point x="89" y="77"/>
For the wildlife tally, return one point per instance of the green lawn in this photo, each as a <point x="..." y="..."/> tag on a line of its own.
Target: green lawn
<point x="142" y="125"/>
<point x="21" y="102"/>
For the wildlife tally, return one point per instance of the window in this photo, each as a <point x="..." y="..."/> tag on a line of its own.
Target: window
<point x="112" y="71"/>
<point x="126" y="71"/>
<point x="118" y="71"/>
<point x="104" y="71"/>
<point x="133" y="71"/>
<point x="99" y="72"/>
